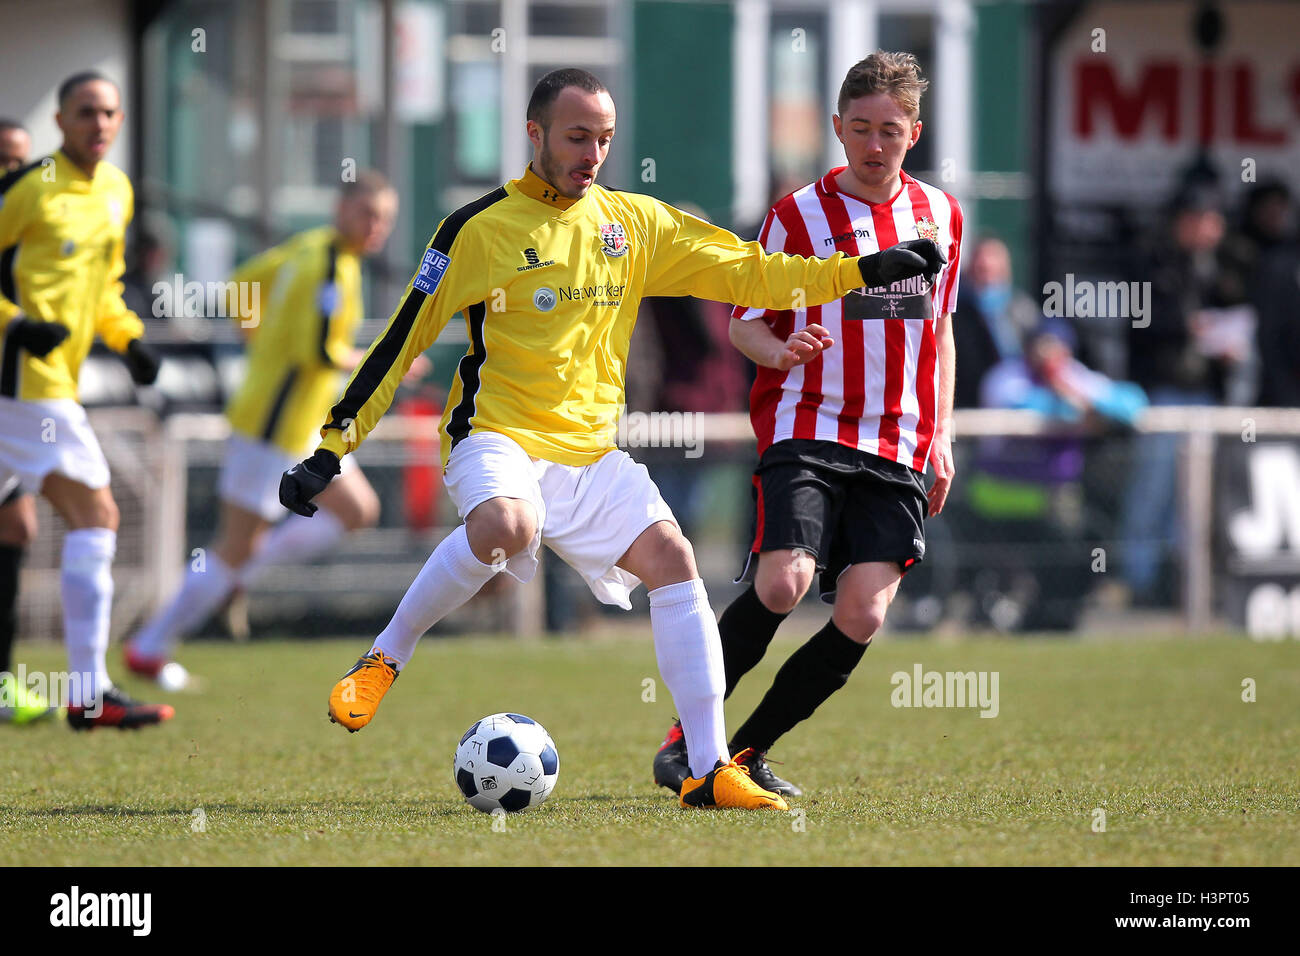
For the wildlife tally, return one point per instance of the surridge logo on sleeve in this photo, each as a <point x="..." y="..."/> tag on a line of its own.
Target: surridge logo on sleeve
<point x="613" y="240"/>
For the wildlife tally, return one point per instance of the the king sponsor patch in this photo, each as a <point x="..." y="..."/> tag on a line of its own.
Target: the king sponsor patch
<point x="906" y="299"/>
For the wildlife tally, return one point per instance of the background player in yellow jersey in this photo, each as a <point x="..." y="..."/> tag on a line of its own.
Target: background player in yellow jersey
<point x="62" y="231"/>
<point x="18" y="705"/>
<point x="549" y="270"/>
<point x="299" y="346"/>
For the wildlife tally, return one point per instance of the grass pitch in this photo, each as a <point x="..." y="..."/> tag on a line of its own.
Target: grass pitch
<point x="1154" y="733"/>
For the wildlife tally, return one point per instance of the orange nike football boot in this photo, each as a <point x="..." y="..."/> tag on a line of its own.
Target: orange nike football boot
<point x="356" y="696"/>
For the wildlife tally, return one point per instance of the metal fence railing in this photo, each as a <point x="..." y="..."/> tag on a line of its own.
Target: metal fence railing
<point x="1043" y="523"/>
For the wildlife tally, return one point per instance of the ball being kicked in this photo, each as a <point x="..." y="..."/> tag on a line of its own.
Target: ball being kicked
<point x="507" y="762"/>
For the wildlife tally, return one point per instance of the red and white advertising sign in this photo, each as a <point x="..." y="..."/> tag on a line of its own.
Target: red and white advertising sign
<point x="1134" y="98"/>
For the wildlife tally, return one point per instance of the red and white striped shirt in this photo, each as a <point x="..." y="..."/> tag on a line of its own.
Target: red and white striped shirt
<point x="877" y="388"/>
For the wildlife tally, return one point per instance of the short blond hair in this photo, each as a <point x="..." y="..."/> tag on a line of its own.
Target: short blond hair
<point x="367" y="182"/>
<point x="897" y="74"/>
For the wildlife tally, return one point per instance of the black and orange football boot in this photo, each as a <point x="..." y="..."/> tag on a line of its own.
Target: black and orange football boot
<point x="728" y="785"/>
<point x="671" y="766"/>
<point x="115" y="709"/>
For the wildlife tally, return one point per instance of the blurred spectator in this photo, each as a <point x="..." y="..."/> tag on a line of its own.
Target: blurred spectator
<point x="1202" y="323"/>
<point x="1026" y="493"/>
<point x="1198" y="347"/>
<point x="993" y="319"/>
<point x="15" y="145"/>
<point x="1268" y="241"/>
<point x="1051" y="381"/>
<point x="1267" y="222"/>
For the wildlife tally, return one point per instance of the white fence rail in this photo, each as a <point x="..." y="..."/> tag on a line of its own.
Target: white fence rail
<point x="156" y="465"/>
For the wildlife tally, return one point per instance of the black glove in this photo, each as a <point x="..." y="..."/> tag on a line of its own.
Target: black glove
<point x="305" y="480"/>
<point x="37" y="336"/>
<point x="143" y="362"/>
<point x="902" y="261"/>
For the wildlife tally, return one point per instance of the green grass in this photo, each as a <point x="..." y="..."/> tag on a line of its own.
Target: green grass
<point x="1153" y="732"/>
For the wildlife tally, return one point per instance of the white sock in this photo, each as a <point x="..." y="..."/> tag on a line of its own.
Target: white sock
<point x="450" y="577"/>
<point x="205" y="587"/>
<point x="292" y="540"/>
<point x="689" y="651"/>
<point x="87" y="584"/>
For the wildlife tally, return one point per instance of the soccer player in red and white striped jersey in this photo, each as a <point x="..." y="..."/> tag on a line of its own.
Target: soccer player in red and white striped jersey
<point x="852" y="400"/>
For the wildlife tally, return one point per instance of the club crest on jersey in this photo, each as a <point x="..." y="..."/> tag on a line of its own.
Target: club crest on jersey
<point x="927" y="229"/>
<point x="613" y="241"/>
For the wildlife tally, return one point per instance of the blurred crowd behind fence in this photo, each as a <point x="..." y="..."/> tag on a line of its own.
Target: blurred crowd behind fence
<point x="1026" y="557"/>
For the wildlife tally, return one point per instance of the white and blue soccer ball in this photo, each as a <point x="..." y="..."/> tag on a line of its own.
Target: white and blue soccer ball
<point x="506" y="762"/>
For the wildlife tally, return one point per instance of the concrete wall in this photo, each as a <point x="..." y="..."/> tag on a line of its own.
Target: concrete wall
<point x="42" y="43"/>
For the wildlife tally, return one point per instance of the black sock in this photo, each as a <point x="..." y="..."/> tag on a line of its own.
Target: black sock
<point x="11" y="559"/>
<point x="747" y="628"/>
<point x="814" y="672"/>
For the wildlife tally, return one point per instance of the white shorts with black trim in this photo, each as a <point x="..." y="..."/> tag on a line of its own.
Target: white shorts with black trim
<point x="589" y="515"/>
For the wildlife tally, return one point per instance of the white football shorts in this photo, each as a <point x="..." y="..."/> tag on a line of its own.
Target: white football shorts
<point x="48" y="436"/>
<point x="251" y="472"/>
<point x="589" y="515"/>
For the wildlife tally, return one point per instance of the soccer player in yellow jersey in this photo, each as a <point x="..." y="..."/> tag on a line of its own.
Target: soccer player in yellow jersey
<point x="19" y="705"/>
<point x="300" y="343"/>
<point x="549" y="270"/>
<point x="62" y="231"/>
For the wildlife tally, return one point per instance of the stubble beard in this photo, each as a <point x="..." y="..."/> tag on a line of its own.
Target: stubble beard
<point x="556" y="176"/>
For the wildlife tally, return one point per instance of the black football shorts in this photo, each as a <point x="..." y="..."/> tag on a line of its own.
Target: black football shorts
<point x="841" y="505"/>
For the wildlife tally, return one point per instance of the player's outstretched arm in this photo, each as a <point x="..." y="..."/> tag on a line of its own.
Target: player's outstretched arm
<point x="763" y="347"/>
<point x="693" y="257"/>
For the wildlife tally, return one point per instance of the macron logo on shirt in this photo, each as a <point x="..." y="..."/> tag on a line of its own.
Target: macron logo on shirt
<point x="432" y="268"/>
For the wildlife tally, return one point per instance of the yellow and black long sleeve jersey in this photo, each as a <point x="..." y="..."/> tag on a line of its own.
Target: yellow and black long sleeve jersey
<point x="308" y="310"/>
<point x="550" y="288"/>
<point x="62" y="242"/>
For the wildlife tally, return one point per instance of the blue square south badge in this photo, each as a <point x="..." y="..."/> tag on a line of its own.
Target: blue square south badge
<point x="432" y="268"/>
